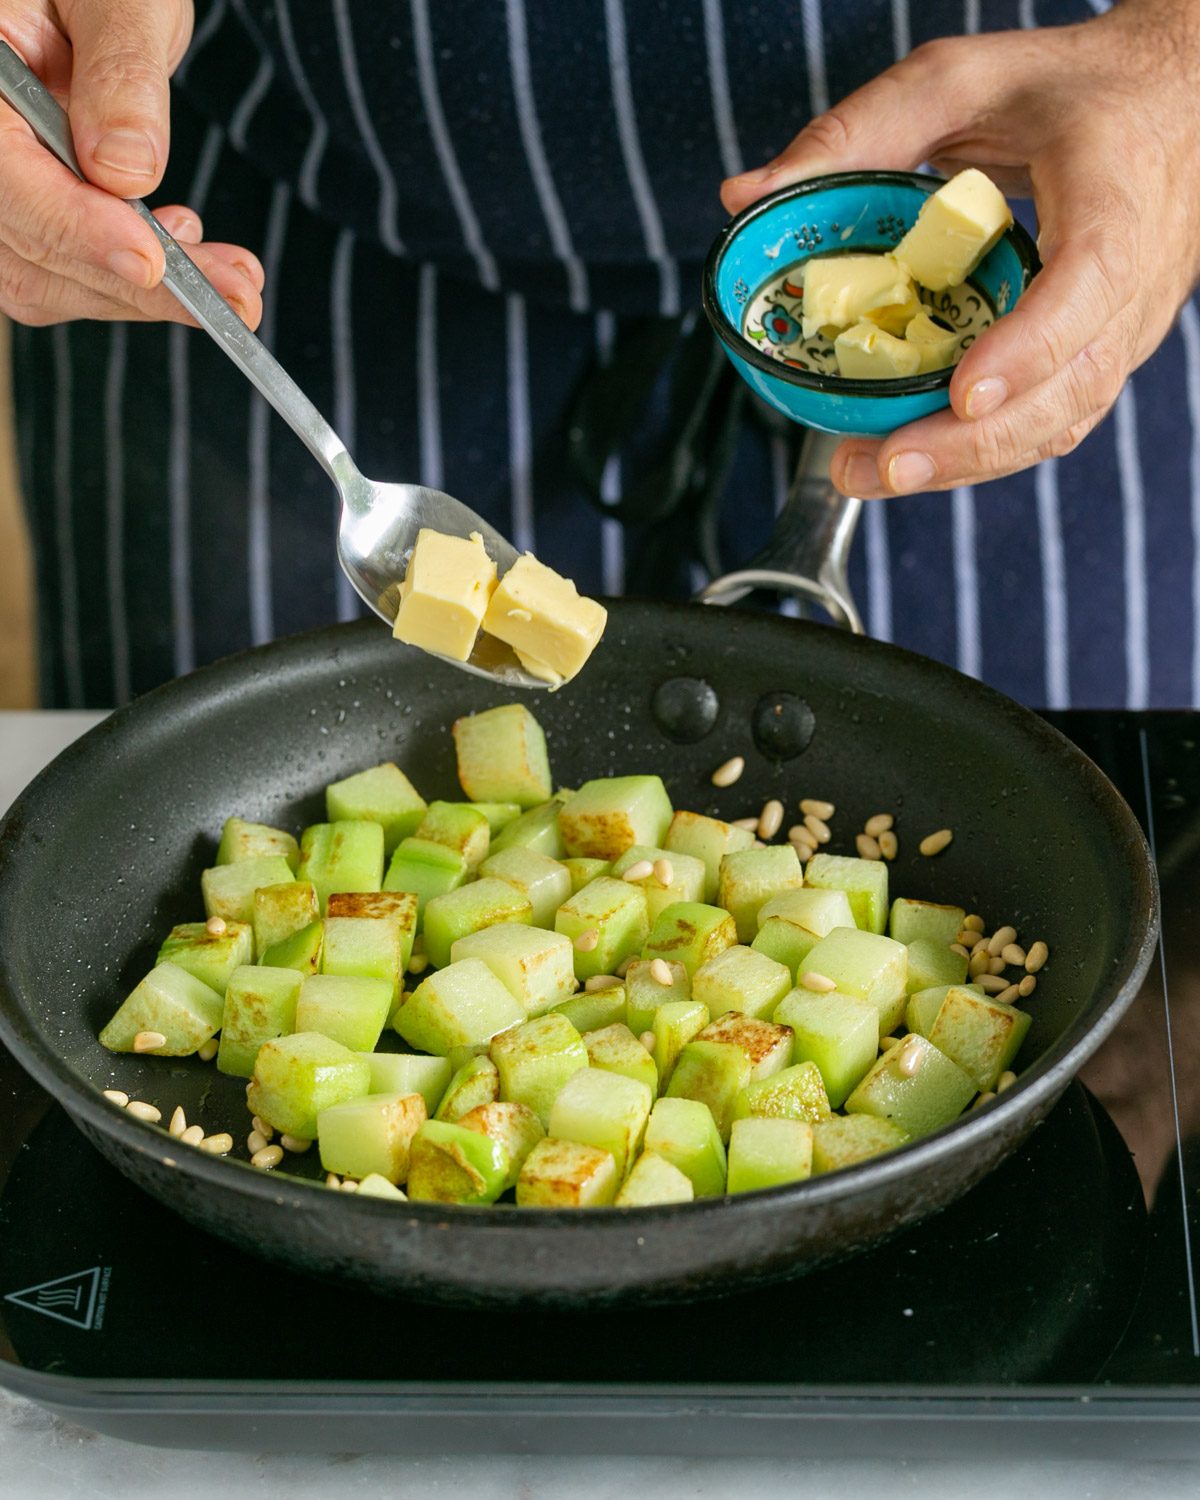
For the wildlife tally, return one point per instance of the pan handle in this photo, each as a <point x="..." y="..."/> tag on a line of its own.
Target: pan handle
<point x="808" y="549"/>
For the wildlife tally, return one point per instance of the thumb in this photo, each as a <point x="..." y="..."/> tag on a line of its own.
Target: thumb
<point x="119" y="105"/>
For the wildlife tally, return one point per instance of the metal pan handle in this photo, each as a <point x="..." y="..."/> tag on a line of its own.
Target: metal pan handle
<point x="807" y="553"/>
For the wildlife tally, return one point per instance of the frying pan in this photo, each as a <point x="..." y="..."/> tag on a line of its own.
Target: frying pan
<point x="103" y="853"/>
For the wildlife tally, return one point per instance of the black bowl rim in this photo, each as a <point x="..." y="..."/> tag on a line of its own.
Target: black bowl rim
<point x="839" y="385"/>
<point x="1038" y="1086"/>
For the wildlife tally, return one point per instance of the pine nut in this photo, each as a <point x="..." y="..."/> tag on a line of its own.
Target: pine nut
<point x="1036" y="957"/>
<point x="193" y="1135"/>
<point x="804" y="852"/>
<point x="332" y="1180"/>
<point x="588" y="941"/>
<point x="349" y="1187"/>
<point x="146" y="1112"/>
<point x="958" y="948"/>
<point x="208" y="1050"/>
<point x="664" y="872"/>
<point x="868" y="848"/>
<point x="258" y="1123"/>
<point x="907" y="1058"/>
<point x="750" y="824"/>
<point x="178" y="1121"/>
<point x="660" y="971"/>
<point x="268" y="1157"/>
<point x="418" y="963"/>
<point x="117" y="1097"/>
<point x="255" y="1142"/>
<point x="647" y="1040"/>
<point x="1027" y="986"/>
<point x="215" y="927"/>
<point x="997" y="965"/>
<point x="1010" y="996"/>
<point x="984" y="1098"/>
<point x="295" y="1144"/>
<point x="1005" y="1081"/>
<point x="639" y="870"/>
<point x="1014" y="954"/>
<point x="623" y="968"/>
<point x="880" y="823"/>
<point x="934" y="843"/>
<point x="798" y="832"/>
<point x="729" y="771"/>
<point x="991" y="983"/>
<point x="602" y="982"/>
<point x="817" y="827"/>
<point x="889" y="844"/>
<point x="969" y="938"/>
<point x="220" y="1144"/>
<point x="811" y="980"/>
<point x="980" y="963"/>
<point x="973" y="922"/>
<point x="147" y="1041"/>
<point x="816" y="808"/>
<point x="886" y="1043"/>
<point x="770" y="820"/>
<point x="1000" y="940"/>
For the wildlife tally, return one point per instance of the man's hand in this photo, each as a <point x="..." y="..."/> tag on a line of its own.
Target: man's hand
<point x="1099" y="121"/>
<point x="69" y="249"/>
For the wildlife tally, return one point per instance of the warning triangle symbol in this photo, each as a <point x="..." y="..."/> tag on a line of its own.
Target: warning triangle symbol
<point x="70" y="1299"/>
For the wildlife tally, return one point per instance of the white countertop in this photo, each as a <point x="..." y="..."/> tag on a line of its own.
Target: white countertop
<point x="42" y="1458"/>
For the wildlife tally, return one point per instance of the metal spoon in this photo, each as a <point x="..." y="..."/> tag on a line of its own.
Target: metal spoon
<point x="379" y="522"/>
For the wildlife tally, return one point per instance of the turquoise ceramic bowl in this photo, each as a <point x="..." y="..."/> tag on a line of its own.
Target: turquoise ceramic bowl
<point x="844" y="211"/>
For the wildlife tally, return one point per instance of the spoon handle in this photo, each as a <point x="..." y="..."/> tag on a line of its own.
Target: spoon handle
<point x="183" y="277"/>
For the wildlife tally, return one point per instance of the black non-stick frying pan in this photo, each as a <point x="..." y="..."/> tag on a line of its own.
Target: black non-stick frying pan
<point x="104" y="851"/>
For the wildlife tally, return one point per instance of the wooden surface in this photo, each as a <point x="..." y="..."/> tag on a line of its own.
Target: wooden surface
<point x="16" y="588"/>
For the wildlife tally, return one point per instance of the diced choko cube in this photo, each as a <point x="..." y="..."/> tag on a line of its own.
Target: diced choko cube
<point x="837" y="1032"/>
<point x="228" y="890"/>
<point x="686" y="883"/>
<point x="584" y="871"/>
<point x="260" y="1004"/>
<point x="375" y="1186"/>
<point x="865" y="882"/>
<point x="399" y="908"/>
<point x="299" y="950"/>
<point x="281" y="910"/>
<point x="714" y="1073"/>
<point x="351" y="1011"/>
<point x="567" y="1174"/>
<point x="535" y="1060"/>
<point x="543" y="617"/>
<point x="536" y="829"/>
<point x="867" y="965"/>
<point x="454" y="1164"/>
<point x="471" y="908"/>
<point x="750" y="877"/>
<point x="766" y="1153"/>
<point x="410" y="1073"/>
<point x="690" y="933"/>
<point x="616" y="912"/>
<point x="476" y="1082"/>
<point x="502" y="756"/>
<point x="459" y="826"/>
<point x="515" y="1127"/>
<point x="382" y="795"/>
<point x="545" y="881"/>
<point x="605" y="1110"/>
<point x="644" y="994"/>
<point x="739" y="979"/>
<point x="609" y="815"/>
<point x="460" y="1006"/>
<point x="915" y="1085"/>
<point x="846" y="1139"/>
<point x="498" y="814"/>
<point x="921" y="1011"/>
<point x="767" y="1046"/>
<point x="654" y="1180"/>
<point x="371" y="1134"/>
<point x="684" y="1132"/>
<point x="342" y="856"/>
<point x="209" y="956"/>
<point x="425" y="869"/>
<point x="591" y="1009"/>
<point x="298" y="1076"/>
<point x="979" y="1034"/>
<point x="445" y="593"/>
<point x="787" y="942"/>
<point x="184" y="1010"/>
<point x="911" y="920"/>
<point x="818" y="910"/>
<point x="241" y="840"/>
<point x="932" y="963"/>
<point x="364" y="948"/>
<point x="708" y="840"/>
<point x="674" y="1024"/>
<point x="797" y="1093"/>
<point x="536" y="967"/>
<point x="615" y="1049"/>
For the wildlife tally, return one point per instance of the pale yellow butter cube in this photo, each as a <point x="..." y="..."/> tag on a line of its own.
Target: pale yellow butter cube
<point x="445" y="594"/>
<point x="842" y="289"/>
<point x="543" y="617"/>
<point x="936" y="346"/>
<point x="866" y="352"/>
<point x="896" y="317"/>
<point x="955" y="229"/>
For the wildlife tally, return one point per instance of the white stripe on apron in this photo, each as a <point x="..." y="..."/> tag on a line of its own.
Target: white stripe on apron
<point x="879" y="571"/>
<point x="612" y="532"/>
<point x="341" y="328"/>
<point x="310" y="167"/>
<point x="64" y="530"/>
<point x="1189" y="331"/>
<point x="520" y="442"/>
<point x="114" y="506"/>
<point x="429" y="414"/>
<point x="1133" y="509"/>
<point x="814" y="55"/>
<point x="203" y="35"/>
<point x="239" y="121"/>
<point x="901" y="29"/>
<point x="781" y="477"/>
<point x="1055" y="622"/>
<point x="388" y="232"/>
<point x="718" y="86"/>
<point x="968" y="654"/>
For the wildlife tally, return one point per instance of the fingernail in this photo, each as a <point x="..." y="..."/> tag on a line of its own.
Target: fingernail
<point x="860" y="477"/>
<point x="188" y="229"/>
<point x="129" y="151"/>
<point x="986" y="395"/>
<point x="129" y="265"/>
<point x="910" y="471"/>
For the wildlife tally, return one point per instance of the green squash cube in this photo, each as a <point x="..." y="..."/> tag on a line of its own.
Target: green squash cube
<point x="365" y="948"/>
<point x="927" y="921"/>
<point x="462" y="1005"/>
<point x="228" y="890"/>
<point x="536" y="829"/>
<point x="867" y="965"/>
<point x="371" y="1134"/>
<point x="605" y="1110"/>
<point x="786" y="942"/>
<point x="690" y="933"/>
<point x="674" y="1024"/>
<point x="502" y="756"/>
<point x="471" y="908"/>
<point x="399" y="908"/>
<point x="768" y="1046"/>
<point x="584" y="871"/>
<point x="932" y="963"/>
<point x="454" y="1164"/>
<point x="615" y="910"/>
<point x="687" y="877"/>
<point x="979" y="1034"/>
<point x="184" y="1010"/>
<point x="260" y="1004"/>
<point x="281" y="910"/>
<point x="536" y="1059"/>
<point x="837" y="1032"/>
<point x="644" y="994"/>
<point x="740" y="979"/>
<point x="498" y="814"/>
<point x="615" y="1049"/>
<point x="543" y="881"/>
<point x="382" y="795"/>
<point x="797" y="1093"/>
<point x="921" y="1011"/>
<point x="458" y="826"/>
<point x="241" y="840"/>
<point x="611" y="814"/>
<point x="865" y="882"/>
<point x="714" y="1073"/>
<point x="708" y="840"/>
<point x="536" y="967"/>
<point x="208" y="956"/>
<point x="934" y="1093"/>
<point x="654" y="1180"/>
<point x="375" y="1186"/>
<point x="820" y="911"/>
<point x="299" y="950"/>
<point x="766" y="1153"/>
<point x="846" y="1139"/>
<point x="476" y="1082"/>
<point x="751" y="877"/>
<point x="683" y="1132"/>
<point x="425" y="870"/>
<point x="591" y="1009"/>
<point x="351" y="1011"/>
<point x="567" y="1174"/>
<point x="514" y="1127"/>
<point x="298" y="1076"/>
<point x="342" y="856"/>
<point x="410" y="1073"/>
